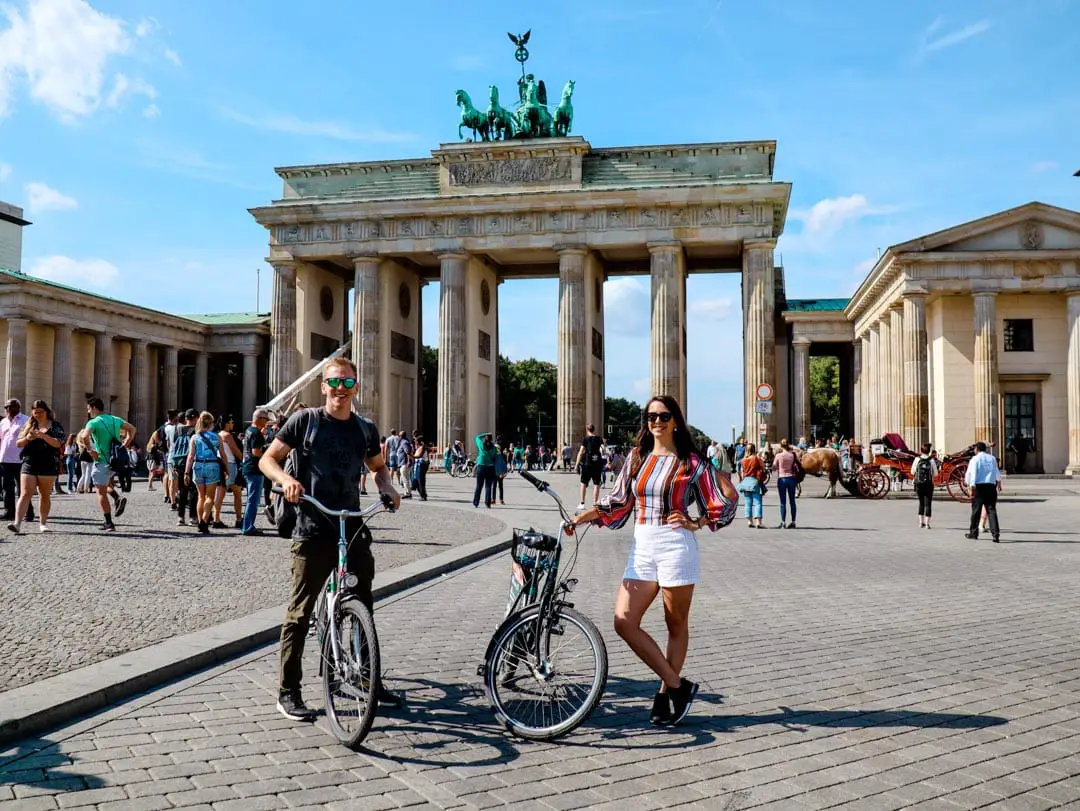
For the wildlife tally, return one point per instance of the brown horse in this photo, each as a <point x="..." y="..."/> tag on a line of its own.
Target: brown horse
<point x="823" y="463"/>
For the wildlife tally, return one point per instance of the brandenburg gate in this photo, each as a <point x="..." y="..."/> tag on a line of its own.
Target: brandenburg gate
<point x="524" y="200"/>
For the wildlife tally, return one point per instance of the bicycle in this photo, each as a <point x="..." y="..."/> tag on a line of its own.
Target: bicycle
<point x="528" y="679"/>
<point x="349" y="648"/>
<point x="463" y="468"/>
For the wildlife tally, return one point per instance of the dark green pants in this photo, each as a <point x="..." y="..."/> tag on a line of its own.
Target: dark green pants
<point x="312" y="562"/>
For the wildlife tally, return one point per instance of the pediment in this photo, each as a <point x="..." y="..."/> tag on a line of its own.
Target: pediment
<point x="1032" y="227"/>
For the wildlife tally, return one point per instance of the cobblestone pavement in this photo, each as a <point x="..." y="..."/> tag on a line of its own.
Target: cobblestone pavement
<point x="76" y="596"/>
<point x="856" y="662"/>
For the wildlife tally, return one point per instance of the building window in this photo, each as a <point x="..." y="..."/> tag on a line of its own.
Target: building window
<point x="1020" y="419"/>
<point x="1019" y="335"/>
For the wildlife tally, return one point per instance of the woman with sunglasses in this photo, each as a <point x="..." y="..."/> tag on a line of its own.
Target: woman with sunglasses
<point x="40" y="441"/>
<point x="663" y="477"/>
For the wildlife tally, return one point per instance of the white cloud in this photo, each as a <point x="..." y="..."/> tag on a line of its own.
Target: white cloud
<point x="627" y="306"/>
<point x="828" y="216"/>
<point x="5" y="172"/>
<point x="712" y="309"/>
<point x="291" y="125"/>
<point x="931" y="43"/>
<point x="1044" y="166"/>
<point x="172" y="56"/>
<point x="123" y="87"/>
<point x="40" y="197"/>
<point x="146" y="27"/>
<point x="151" y="111"/>
<point x="61" y="49"/>
<point x="94" y="274"/>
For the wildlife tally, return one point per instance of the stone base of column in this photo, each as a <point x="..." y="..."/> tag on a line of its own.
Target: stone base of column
<point x="1072" y="470"/>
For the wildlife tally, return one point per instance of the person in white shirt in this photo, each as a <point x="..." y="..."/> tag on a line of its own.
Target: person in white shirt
<point x="984" y="479"/>
<point x="11" y="457"/>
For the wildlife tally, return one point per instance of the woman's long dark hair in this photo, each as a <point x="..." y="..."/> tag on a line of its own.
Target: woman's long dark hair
<point x="685" y="446"/>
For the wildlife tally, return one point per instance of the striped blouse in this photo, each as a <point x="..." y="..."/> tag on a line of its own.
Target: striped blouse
<point x="662" y="485"/>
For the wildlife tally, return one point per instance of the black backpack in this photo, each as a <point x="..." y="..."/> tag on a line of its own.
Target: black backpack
<point x="281" y="513"/>
<point x="924" y="471"/>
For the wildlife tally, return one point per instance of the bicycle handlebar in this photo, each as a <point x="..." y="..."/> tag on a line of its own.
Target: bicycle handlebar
<point x="544" y="487"/>
<point x="535" y="482"/>
<point x="385" y="502"/>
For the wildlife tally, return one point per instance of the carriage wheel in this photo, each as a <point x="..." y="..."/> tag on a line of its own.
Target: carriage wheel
<point x="958" y="489"/>
<point x="873" y="483"/>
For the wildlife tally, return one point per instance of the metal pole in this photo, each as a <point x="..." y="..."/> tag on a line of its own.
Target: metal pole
<point x="258" y="297"/>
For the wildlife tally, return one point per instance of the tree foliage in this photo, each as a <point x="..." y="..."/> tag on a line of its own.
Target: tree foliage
<point x="825" y="394"/>
<point x="526" y="394"/>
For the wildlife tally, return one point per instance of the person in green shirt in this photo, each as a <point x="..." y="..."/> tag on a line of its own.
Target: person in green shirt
<point x="486" y="451"/>
<point x="99" y="433"/>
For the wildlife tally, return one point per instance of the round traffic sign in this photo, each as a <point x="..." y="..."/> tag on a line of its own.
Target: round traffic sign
<point x="764" y="392"/>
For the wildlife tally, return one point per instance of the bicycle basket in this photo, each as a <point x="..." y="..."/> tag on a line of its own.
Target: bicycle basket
<point x="535" y="540"/>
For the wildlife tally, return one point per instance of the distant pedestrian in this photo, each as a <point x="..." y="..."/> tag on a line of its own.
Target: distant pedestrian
<point x="750" y="485"/>
<point x="984" y="479"/>
<point x="485" y="469"/>
<point x="10" y="456"/>
<point x="40" y="442"/>
<point x="591" y="461"/>
<point x="103" y="432"/>
<point x="786" y="466"/>
<point x="923" y="472"/>
<point x="71" y="462"/>
<point x="205" y="463"/>
<point x="254" y="444"/>
<point x="419" y="467"/>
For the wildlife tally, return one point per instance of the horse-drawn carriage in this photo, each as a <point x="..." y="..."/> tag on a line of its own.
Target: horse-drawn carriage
<point x="891" y="455"/>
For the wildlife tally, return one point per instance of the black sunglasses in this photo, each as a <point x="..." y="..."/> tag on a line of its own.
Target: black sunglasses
<point x="334" y="382"/>
<point x="663" y="416"/>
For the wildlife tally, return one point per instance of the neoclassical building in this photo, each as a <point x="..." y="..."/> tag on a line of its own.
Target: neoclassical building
<point x="62" y="345"/>
<point x="970" y="333"/>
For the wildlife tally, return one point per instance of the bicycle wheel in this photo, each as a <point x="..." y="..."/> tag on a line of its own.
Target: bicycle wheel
<point x="544" y="697"/>
<point x="348" y="684"/>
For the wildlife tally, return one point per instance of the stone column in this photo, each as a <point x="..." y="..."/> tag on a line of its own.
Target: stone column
<point x="283" y="360"/>
<point x="141" y="410"/>
<point x="866" y="375"/>
<point x="572" y="372"/>
<point x="16" y="360"/>
<point x="916" y="372"/>
<point x="885" y="425"/>
<point x="896" y="367"/>
<point x="667" y="321"/>
<point x="366" y="351"/>
<point x="759" y="330"/>
<point x="801" y="387"/>
<point x="986" y="373"/>
<point x="61" y="378"/>
<point x="198" y="396"/>
<point x="170" y="391"/>
<point x="103" y="367"/>
<point x="856" y="389"/>
<point x="250" y="383"/>
<point x="1072" y="382"/>
<point x="453" y="350"/>
<point x="873" y="382"/>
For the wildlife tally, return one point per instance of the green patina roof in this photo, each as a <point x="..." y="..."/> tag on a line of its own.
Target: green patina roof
<point x="210" y="320"/>
<point x="816" y="305"/>
<point x="229" y="318"/>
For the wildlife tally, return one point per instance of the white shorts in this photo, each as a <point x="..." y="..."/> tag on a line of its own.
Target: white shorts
<point x="663" y="555"/>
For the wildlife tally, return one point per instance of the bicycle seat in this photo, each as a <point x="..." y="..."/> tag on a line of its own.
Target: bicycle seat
<point x="535" y="540"/>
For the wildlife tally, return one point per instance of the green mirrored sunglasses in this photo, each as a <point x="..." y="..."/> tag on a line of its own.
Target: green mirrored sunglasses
<point x="334" y="382"/>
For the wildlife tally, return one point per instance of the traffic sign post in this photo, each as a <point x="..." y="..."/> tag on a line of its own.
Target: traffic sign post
<point x="763" y="407"/>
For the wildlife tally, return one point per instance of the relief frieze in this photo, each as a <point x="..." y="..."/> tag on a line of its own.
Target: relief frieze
<point x="510" y="172"/>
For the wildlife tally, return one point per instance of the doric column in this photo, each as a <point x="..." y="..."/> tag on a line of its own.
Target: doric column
<point x="916" y="371"/>
<point x="366" y="352"/>
<point x="862" y="417"/>
<point x="198" y="396"/>
<point x="103" y="358"/>
<point x="667" y="321"/>
<point x="283" y="360"/>
<point x="16" y="360"/>
<point x="801" y="387"/>
<point x="1072" y="382"/>
<point x="453" y="349"/>
<point x="170" y="394"/>
<point x="759" y="329"/>
<point x="572" y="374"/>
<point x="896" y="367"/>
<point x="885" y="425"/>
<point x="141" y="410"/>
<point x="250" y="383"/>
<point x="856" y="389"/>
<point x="986" y="373"/>
<point x="61" y="378"/>
<point x="873" y="399"/>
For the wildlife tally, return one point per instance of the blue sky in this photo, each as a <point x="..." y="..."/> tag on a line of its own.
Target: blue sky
<point x="138" y="137"/>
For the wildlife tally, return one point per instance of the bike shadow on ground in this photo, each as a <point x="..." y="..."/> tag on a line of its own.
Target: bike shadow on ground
<point x="38" y="762"/>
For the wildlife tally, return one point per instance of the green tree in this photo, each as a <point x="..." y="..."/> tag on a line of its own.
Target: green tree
<point x="526" y="392"/>
<point x="701" y="439"/>
<point x="429" y="387"/>
<point x="825" y="394"/>
<point x="622" y="421"/>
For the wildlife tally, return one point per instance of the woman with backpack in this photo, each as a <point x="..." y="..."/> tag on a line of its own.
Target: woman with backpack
<point x="923" y="472"/>
<point x="205" y="462"/>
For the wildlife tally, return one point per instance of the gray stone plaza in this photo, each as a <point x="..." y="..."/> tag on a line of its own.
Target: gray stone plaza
<point x="856" y="662"/>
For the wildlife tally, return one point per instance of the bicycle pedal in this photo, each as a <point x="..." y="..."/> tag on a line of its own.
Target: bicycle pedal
<point x="481" y="671"/>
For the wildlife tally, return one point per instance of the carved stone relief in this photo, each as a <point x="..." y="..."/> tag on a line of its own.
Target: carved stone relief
<point x="1031" y="235"/>
<point x="509" y="172"/>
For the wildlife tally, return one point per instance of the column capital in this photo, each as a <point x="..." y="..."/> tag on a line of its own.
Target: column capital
<point x="283" y="267"/>
<point x="984" y="293"/>
<point x="801" y="340"/>
<point x="896" y="306"/>
<point x="138" y="343"/>
<point x="664" y="247"/>
<point x="450" y="255"/>
<point x="759" y="244"/>
<point x="914" y="293"/>
<point x="1072" y="294"/>
<point x="18" y="320"/>
<point x="571" y="250"/>
<point x="364" y="257"/>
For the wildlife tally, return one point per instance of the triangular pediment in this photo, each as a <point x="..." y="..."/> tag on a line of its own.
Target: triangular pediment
<point x="1034" y="226"/>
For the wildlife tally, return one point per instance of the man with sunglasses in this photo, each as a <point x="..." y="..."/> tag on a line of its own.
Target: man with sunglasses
<point x="343" y="444"/>
<point x="11" y="457"/>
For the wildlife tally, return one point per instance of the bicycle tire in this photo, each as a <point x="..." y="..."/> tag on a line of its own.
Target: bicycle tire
<point x="504" y="643"/>
<point x="358" y="681"/>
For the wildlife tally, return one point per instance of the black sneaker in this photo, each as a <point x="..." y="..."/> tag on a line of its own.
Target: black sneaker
<point x="681" y="699"/>
<point x="204" y="528"/>
<point x="121" y="505"/>
<point x="108" y="526"/>
<point x="292" y="706"/>
<point x="997" y="539"/>
<point x="219" y="525"/>
<point x="971" y="536"/>
<point x="388" y="698"/>
<point x="167" y="501"/>
<point x="661" y="710"/>
<point x="253" y="531"/>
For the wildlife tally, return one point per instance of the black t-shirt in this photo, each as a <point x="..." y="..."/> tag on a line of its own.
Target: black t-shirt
<point x="332" y="471"/>
<point x="592" y="446"/>
<point x="253" y="440"/>
<point x="40" y="457"/>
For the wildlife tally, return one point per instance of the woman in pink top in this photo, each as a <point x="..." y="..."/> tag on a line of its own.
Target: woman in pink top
<point x="786" y="467"/>
<point x="664" y="476"/>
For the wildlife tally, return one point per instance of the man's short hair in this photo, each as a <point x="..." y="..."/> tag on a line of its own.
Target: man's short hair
<point x="191" y="414"/>
<point x="260" y="414"/>
<point x="590" y="428"/>
<point x="171" y="414"/>
<point x="340" y="362"/>
<point x="980" y="447"/>
<point x="96" y="403"/>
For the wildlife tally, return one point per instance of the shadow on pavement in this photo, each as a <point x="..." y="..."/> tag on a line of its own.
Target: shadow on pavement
<point x="854" y="719"/>
<point x="38" y="763"/>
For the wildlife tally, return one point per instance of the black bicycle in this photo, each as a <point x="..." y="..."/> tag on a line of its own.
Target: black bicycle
<point x="546" y="666"/>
